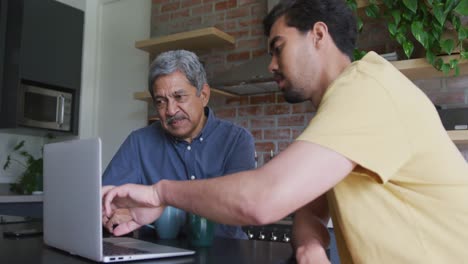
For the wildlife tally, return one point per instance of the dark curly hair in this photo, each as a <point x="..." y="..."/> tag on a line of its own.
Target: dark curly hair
<point x="303" y="14"/>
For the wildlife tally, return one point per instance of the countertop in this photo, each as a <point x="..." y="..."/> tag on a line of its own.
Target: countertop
<point x="226" y="251"/>
<point x="6" y="196"/>
<point x="16" y="198"/>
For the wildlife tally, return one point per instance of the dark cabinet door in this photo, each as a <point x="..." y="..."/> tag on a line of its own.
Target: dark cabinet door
<point x="51" y="43"/>
<point x="10" y="39"/>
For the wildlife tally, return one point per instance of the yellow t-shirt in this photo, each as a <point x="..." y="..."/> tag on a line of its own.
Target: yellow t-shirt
<point x="407" y="200"/>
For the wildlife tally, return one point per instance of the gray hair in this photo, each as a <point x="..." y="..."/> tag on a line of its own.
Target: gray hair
<point x="183" y="61"/>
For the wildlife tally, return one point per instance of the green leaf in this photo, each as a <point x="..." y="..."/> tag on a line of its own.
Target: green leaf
<point x="456" y="22"/>
<point x="464" y="54"/>
<point x="392" y="28"/>
<point x="450" y="5"/>
<point x="453" y="63"/>
<point x="358" y="54"/>
<point x="388" y="3"/>
<point x="439" y="13"/>
<point x="445" y="68"/>
<point x="360" y="24"/>
<point x="352" y="4"/>
<point x="447" y="45"/>
<point x="408" y="48"/>
<point x="400" y="38"/>
<point x="411" y="5"/>
<point x="436" y="30"/>
<point x="408" y="16"/>
<point x="19" y="145"/>
<point x="372" y="11"/>
<point x="417" y="29"/>
<point x="457" y="70"/>
<point x="438" y="63"/>
<point x="462" y="34"/>
<point x="462" y="8"/>
<point x="396" y="14"/>
<point x="430" y="57"/>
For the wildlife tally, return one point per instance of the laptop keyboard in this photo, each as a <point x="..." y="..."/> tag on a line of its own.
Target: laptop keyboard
<point x="116" y="250"/>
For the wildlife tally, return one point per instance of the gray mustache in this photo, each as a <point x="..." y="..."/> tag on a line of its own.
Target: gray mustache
<point x="174" y="118"/>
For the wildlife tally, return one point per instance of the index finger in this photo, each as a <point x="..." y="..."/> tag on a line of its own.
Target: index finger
<point x="108" y="197"/>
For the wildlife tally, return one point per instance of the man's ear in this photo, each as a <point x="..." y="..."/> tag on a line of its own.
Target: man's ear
<point x="205" y="94"/>
<point x="319" y="31"/>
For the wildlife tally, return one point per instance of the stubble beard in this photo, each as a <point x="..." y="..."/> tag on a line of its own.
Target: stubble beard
<point x="293" y="95"/>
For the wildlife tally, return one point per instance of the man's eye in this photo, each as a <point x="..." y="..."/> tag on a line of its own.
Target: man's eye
<point x="180" y="97"/>
<point x="159" y="103"/>
<point x="277" y="50"/>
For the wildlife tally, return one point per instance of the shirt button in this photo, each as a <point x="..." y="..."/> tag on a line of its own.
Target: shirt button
<point x="201" y="139"/>
<point x="189" y="148"/>
<point x="192" y="177"/>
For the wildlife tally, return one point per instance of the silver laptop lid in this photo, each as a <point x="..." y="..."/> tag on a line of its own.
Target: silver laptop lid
<point x="72" y="202"/>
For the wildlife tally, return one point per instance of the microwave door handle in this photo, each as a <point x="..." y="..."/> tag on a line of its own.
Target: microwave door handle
<point x="60" y="113"/>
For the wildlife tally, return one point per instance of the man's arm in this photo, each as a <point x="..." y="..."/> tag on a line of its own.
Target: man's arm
<point x="297" y="176"/>
<point x="310" y="234"/>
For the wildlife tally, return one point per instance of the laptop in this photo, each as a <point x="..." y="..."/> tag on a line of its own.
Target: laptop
<point x="72" y="206"/>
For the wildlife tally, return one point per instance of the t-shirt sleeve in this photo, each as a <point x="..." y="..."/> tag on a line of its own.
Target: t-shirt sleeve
<point x="123" y="167"/>
<point x="359" y="120"/>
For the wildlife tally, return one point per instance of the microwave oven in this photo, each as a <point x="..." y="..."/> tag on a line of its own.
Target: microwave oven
<point x="45" y="106"/>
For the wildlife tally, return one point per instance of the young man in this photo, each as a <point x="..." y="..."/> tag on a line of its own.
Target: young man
<point x="188" y="142"/>
<point x="375" y="156"/>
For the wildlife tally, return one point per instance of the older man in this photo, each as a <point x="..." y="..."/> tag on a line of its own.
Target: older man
<point x="188" y="142"/>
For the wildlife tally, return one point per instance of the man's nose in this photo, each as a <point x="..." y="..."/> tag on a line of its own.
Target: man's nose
<point x="273" y="66"/>
<point x="172" y="108"/>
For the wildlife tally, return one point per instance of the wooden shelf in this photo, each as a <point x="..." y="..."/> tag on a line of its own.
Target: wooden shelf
<point x="364" y="3"/>
<point x="194" y="40"/>
<point x="420" y="69"/>
<point x="459" y="136"/>
<point x="145" y="95"/>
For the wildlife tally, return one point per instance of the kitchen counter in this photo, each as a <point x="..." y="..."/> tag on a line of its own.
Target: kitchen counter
<point x="16" y="198"/>
<point x="20" y="205"/>
<point x="33" y="250"/>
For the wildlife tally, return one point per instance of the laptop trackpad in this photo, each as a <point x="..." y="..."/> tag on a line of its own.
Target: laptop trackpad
<point x="139" y="244"/>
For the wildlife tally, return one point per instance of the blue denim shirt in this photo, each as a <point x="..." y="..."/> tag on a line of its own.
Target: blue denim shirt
<point x="150" y="154"/>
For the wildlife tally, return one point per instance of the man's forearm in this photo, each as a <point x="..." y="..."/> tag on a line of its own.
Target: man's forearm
<point x="223" y="205"/>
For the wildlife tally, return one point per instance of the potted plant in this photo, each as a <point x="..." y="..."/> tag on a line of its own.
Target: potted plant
<point x="425" y="21"/>
<point x="31" y="179"/>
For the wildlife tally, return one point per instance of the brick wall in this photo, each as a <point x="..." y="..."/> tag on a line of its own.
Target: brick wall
<point x="273" y="122"/>
<point x="239" y="18"/>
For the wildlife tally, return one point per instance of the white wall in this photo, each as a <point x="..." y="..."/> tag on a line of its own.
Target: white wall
<point x="7" y="142"/>
<point x="113" y="69"/>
